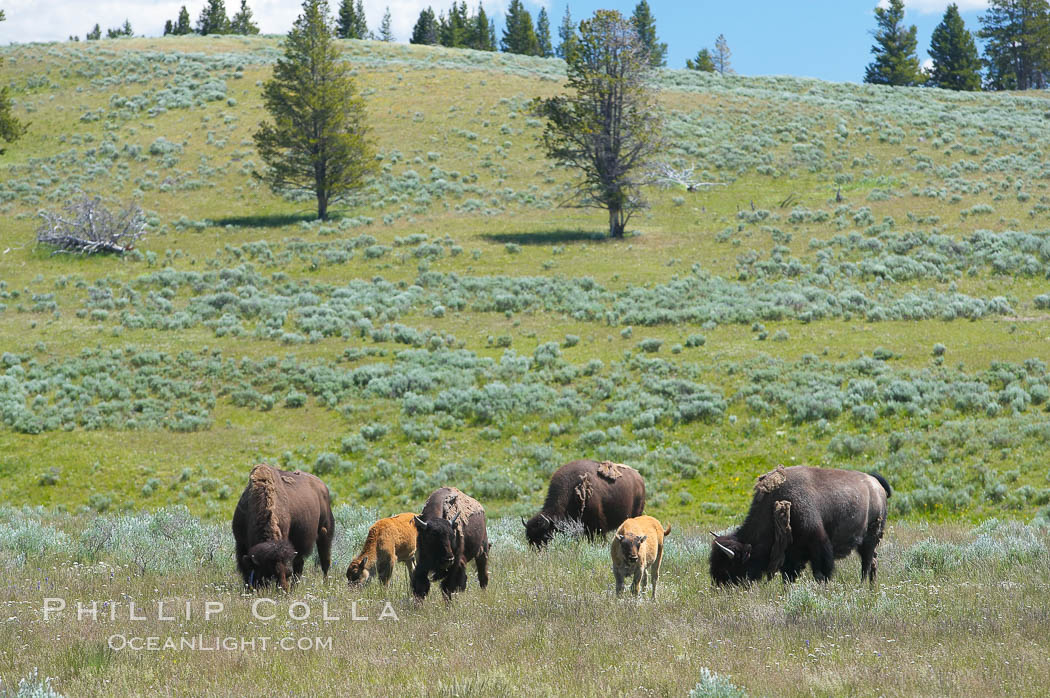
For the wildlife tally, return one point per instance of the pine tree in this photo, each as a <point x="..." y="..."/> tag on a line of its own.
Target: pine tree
<point x="454" y="30"/>
<point x="213" y="19"/>
<point x="567" y="36"/>
<point x="722" y="55"/>
<point x="183" y="26"/>
<point x="117" y="32"/>
<point x="386" y="33"/>
<point x="362" y="26"/>
<point x="1016" y="37"/>
<point x="543" y="33"/>
<point x="95" y="34"/>
<point x="482" y="33"/>
<point x="956" y="65"/>
<point x="426" y="29"/>
<point x="11" y="129"/>
<point x="896" y="62"/>
<point x="242" y="22"/>
<point x="345" y="19"/>
<point x="351" y="23"/>
<point x="318" y="140"/>
<point x="703" y="62"/>
<point x="645" y="24"/>
<point x="607" y="128"/>
<point x="169" y="28"/>
<point x="519" y="35"/>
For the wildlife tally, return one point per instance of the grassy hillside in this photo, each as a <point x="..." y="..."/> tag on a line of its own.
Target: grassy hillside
<point x="869" y="291"/>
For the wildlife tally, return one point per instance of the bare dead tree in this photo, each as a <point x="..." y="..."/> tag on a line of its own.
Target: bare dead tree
<point x="666" y="175"/>
<point x="86" y="226"/>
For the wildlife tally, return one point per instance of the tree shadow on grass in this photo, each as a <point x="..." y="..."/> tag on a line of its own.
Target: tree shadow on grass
<point x="548" y="237"/>
<point x="271" y="220"/>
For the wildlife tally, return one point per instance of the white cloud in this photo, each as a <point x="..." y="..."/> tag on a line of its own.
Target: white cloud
<point x="926" y="7"/>
<point x="55" y="20"/>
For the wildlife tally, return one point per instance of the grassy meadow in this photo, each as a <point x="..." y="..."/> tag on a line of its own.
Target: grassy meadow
<point x="959" y="610"/>
<point x="867" y="290"/>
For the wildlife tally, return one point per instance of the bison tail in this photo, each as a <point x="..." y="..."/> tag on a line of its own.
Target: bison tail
<point x="781" y="535"/>
<point x="668" y="531"/>
<point x="882" y="481"/>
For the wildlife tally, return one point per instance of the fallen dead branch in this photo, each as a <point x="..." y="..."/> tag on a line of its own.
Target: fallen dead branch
<point x="88" y="227"/>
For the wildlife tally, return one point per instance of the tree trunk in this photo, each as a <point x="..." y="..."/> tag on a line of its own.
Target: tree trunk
<point x="616" y="224"/>
<point x="322" y="206"/>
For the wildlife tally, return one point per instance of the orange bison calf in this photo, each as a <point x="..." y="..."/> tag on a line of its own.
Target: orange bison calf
<point x="389" y="541"/>
<point x="637" y="550"/>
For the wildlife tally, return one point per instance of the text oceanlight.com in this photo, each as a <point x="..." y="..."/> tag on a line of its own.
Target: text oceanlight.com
<point x="200" y="643"/>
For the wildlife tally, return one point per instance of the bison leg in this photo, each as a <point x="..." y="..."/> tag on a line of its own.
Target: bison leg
<point x="410" y="565"/>
<point x="822" y="558"/>
<point x="482" y="563"/>
<point x="868" y="561"/>
<point x="324" y="553"/>
<point x="792" y="568"/>
<point x="655" y="570"/>
<point x="420" y="583"/>
<point x="869" y="557"/>
<point x="243" y="563"/>
<point x="297" y="565"/>
<point x="619" y="581"/>
<point x="639" y="573"/>
<point x="455" y="580"/>
<point x="384" y="568"/>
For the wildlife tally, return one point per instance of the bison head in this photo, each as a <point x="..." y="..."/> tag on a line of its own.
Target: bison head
<point x="270" y="561"/>
<point x="358" y="572"/>
<point x="437" y="544"/>
<point x="630" y="545"/>
<point x="539" y="530"/>
<point x="729" y="558"/>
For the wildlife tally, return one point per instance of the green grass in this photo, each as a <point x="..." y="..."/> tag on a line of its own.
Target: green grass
<point x="957" y="611"/>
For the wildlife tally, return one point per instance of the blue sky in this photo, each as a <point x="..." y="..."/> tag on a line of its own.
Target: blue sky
<point x="827" y="39"/>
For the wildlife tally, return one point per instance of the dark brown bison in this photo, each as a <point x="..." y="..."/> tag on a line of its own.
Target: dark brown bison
<point x="278" y="519"/>
<point x="451" y="533"/>
<point x="804" y="515"/>
<point x="600" y="496"/>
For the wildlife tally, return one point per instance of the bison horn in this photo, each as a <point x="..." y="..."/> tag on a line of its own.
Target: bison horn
<point x="455" y="518"/>
<point x="420" y="522"/>
<point x="726" y="550"/>
<point x="524" y="522"/>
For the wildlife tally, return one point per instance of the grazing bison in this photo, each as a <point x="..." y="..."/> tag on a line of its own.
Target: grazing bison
<point x="451" y="533"/>
<point x="801" y="515"/>
<point x="389" y="541"/>
<point x="637" y="550"/>
<point x="277" y="521"/>
<point x="600" y="496"/>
